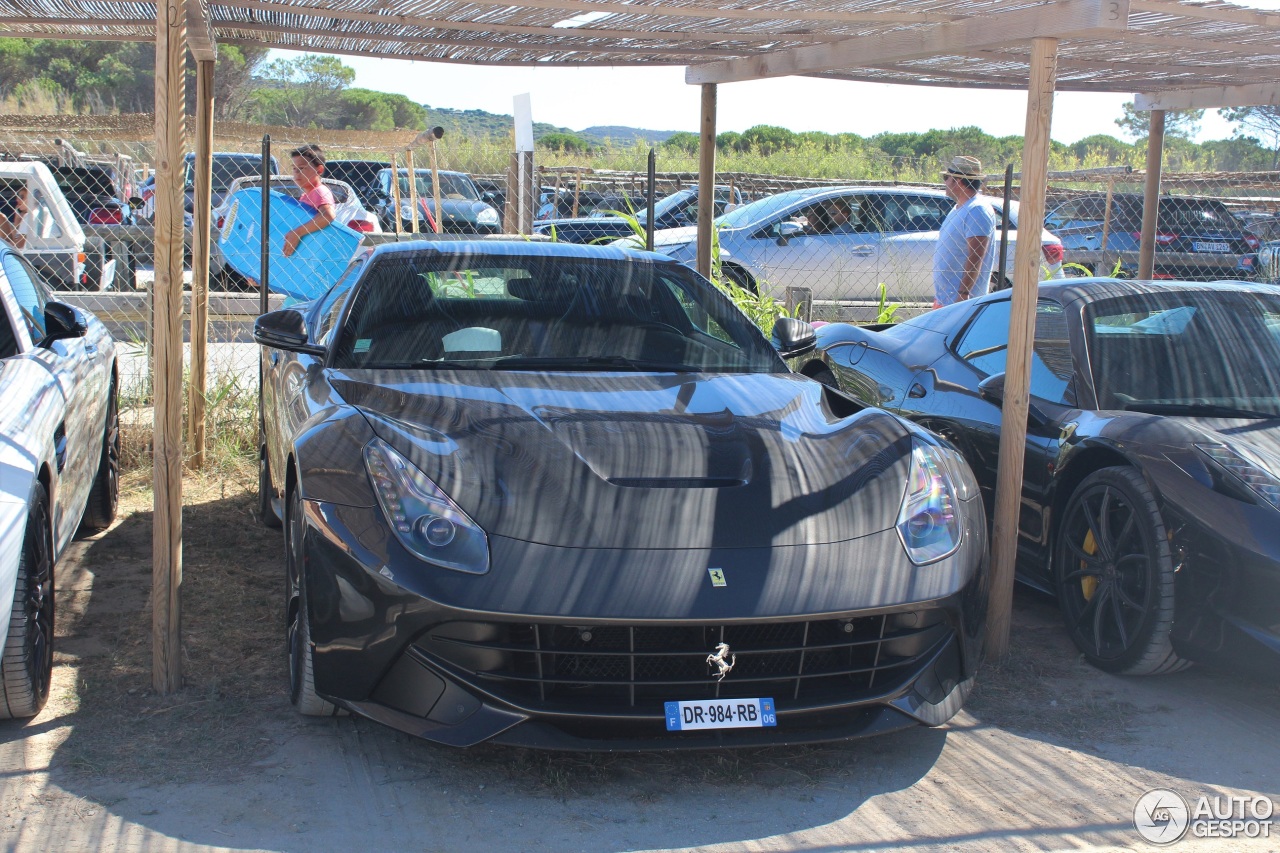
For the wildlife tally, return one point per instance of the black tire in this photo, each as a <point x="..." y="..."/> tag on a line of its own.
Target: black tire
<point x="104" y="495"/>
<point x="26" y="669"/>
<point x="266" y="511"/>
<point x="1114" y="575"/>
<point x="302" y="685"/>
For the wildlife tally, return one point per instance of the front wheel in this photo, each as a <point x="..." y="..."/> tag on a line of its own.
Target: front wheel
<point x="302" y="685"/>
<point x="26" y="670"/>
<point x="1114" y="575"/>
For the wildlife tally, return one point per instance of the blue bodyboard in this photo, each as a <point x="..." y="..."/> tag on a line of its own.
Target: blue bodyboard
<point x="314" y="266"/>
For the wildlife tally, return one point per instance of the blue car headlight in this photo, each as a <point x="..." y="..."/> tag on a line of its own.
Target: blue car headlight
<point x="421" y="515"/>
<point x="1244" y="467"/>
<point x="929" y="522"/>
<point x="487" y="216"/>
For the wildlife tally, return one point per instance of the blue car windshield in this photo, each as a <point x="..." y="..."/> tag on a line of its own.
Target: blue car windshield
<point x="1199" y="353"/>
<point x="507" y="312"/>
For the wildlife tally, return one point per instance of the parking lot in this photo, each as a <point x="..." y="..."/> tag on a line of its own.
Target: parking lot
<point x="1048" y="754"/>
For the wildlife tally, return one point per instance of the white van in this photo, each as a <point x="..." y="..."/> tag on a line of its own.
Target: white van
<point x="54" y="239"/>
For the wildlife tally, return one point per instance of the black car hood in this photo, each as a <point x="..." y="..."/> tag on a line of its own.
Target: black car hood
<point x="642" y="460"/>
<point x="462" y="210"/>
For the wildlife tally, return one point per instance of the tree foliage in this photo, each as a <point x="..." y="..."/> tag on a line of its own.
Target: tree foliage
<point x="1183" y="124"/>
<point x="1259" y="124"/>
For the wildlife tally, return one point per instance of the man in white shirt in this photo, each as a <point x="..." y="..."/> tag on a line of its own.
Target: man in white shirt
<point x="965" y="253"/>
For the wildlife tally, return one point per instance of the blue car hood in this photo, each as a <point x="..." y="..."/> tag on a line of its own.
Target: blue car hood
<point x="642" y="460"/>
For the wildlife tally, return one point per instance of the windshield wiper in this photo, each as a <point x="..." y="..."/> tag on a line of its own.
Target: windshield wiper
<point x="1204" y="410"/>
<point x="592" y="362"/>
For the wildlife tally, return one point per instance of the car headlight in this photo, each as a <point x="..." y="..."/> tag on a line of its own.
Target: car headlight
<point x="406" y="210"/>
<point x="488" y="216"/>
<point x="929" y="521"/>
<point x="1247" y="469"/>
<point x="422" y="517"/>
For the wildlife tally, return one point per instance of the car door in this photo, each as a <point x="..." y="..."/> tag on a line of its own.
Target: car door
<point x="945" y="399"/>
<point x="83" y="380"/>
<point x="793" y="250"/>
<point x="910" y="224"/>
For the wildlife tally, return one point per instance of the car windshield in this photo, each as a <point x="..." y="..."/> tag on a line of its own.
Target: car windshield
<point x="74" y="181"/>
<point x="1198" y="353"/>
<point x="226" y="170"/>
<point x="538" y="312"/>
<point x="451" y="185"/>
<point x="758" y="211"/>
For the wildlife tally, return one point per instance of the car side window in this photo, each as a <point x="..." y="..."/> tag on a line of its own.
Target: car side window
<point x="911" y="213"/>
<point x="985" y="346"/>
<point x="30" y="293"/>
<point x="40" y="221"/>
<point x="329" y="310"/>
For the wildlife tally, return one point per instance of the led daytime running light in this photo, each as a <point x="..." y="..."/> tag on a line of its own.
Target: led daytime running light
<point x="421" y="515"/>
<point x="1259" y="480"/>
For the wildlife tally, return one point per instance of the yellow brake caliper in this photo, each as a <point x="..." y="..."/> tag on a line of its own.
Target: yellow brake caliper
<point x="1088" y="583"/>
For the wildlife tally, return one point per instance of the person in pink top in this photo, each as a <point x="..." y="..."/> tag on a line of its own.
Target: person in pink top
<point x="308" y="166"/>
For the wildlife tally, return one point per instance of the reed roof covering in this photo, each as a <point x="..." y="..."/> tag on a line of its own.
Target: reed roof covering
<point x="1107" y="45"/>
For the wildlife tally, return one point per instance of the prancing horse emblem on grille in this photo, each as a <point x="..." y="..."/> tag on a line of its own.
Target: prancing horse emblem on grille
<point x="722" y="660"/>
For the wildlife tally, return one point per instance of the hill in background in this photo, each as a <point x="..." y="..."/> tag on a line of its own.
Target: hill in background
<point x="479" y="124"/>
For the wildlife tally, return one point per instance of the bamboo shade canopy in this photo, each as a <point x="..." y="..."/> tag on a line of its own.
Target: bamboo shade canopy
<point x="1146" y="46"/>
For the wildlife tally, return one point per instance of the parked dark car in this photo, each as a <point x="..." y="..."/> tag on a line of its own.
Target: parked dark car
<point x="1197" y="239"/>
<point x="569" y="496"/>
<point x="1151" y="499"/>
<point x="361" y="175"/>
<point x="463" y="210"/>
<point x="677" y="210"/>
<point x="93" y="195"/>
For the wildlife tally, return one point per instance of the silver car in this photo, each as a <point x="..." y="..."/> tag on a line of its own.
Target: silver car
<point x="787" y="240"/>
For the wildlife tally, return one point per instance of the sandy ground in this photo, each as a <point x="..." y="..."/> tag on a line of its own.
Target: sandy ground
<point x="1049" y="754"/>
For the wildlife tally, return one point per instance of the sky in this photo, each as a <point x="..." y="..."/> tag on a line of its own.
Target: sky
<point x="659" y="99"/>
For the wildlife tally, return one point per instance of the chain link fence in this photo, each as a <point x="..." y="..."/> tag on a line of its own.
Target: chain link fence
<point x="837" y="248"/>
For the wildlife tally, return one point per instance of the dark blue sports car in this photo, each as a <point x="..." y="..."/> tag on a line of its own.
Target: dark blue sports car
<point x="569" y="496"/>
<point x="1151" y="498"/>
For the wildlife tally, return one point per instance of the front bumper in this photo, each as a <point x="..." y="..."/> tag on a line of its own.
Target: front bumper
<point x="459" y="673"/>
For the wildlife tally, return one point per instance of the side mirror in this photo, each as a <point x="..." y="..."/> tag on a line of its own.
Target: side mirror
<point x="991" y="389"/>
<point x="62" y="322"/>
<point x="787" y="230"/>
<point x="792" y="337"/>
<point x="286" y="330"/>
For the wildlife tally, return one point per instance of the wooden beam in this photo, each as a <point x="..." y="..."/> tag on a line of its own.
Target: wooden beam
<point x="334" y="14"/>
<point x="166" y="533"/>
<point x="200" y="40"/>
<point x="1062" y="19"/>
<point x="1022" y="327"/>
<point x="1255" y="95"/>
<point x="706" y="179"/>
<point x="1151" y="197"/>
<point x="200" y="231"/>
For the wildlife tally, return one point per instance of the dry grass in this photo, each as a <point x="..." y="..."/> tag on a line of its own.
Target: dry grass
<point x="232" y="627"/>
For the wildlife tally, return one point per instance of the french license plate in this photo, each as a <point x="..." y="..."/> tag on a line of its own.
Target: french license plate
<point x="720" y="714"/>
<point x="1198" y="246"/>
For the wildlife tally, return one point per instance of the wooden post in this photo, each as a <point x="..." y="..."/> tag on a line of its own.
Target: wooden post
<point x="1106" y="214"/>
<point x="706" y="179"/>
<point x="413" y="190"/>
<point x="577" y="188"/>
<point x="435" y="187"/>
<point x="395" y="195"/>
<point x="1151" y="197"/>
<point x="166" y="534"/>
<point x="1022" y="320"/>
<point x="200" y="261"/>
<point x="511" y="213"/>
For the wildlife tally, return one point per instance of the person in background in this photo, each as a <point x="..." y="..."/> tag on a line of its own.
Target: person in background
<point x="13" y="208"/>
<point x="308" y="166"/>
<point x="965" y="252"/>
